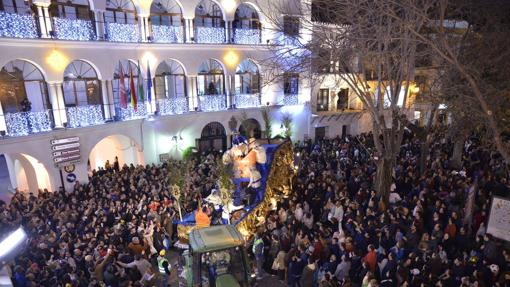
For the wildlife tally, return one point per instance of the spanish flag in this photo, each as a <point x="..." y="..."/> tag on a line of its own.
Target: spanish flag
<point x="132" y="89"/>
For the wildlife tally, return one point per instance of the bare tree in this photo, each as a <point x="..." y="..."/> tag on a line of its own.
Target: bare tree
<point x="359" y="43"/>
<point x="472" y="38"/>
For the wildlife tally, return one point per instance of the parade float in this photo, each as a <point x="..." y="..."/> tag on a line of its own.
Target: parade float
<point x="253" y="178"/>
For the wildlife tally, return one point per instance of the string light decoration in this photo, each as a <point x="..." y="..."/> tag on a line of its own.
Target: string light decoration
<point x="83" y="116"/>
<point x="290" y="99"/>
<point x="211" y="35"/>
<point x="118" y="32"/>
<point x="25" y="123"/>
<point x="71" y="29"/>
<point x="17" y="26"/>
<point x="130" y="114"/>
<point x="247" y="36"/>
<point x="173" y="106"/>
<point x="247" y="100"/>
<point x="167" y="34"/>
<point x="212" y="103"/>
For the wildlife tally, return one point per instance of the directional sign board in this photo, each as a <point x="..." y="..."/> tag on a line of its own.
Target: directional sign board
<point x="65" y="151"/>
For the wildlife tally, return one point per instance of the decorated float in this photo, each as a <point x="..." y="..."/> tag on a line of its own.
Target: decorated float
<point x="253" y="177"/>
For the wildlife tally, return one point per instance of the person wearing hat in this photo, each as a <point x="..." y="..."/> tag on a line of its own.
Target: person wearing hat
<point x="164" y="268"/>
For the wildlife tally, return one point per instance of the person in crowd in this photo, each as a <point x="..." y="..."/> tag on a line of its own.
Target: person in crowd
<point x="331" y="231"/>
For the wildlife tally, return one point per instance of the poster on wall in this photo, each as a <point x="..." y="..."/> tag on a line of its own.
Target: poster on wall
<point x="499" y="218"/>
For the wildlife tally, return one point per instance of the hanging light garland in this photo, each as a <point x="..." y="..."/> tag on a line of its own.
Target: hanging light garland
<point x="173" y="106"/>
<point x="211" y="35"/>
<point x="167" y="34"/>
<point x="118" y="32"/>
<point x="83" y="116"/>
<point x="17" y="26"/>
<point x="131" y="114"/>
<point x="25" y="123"/>
<point x="290" y="99"/>
<point x="247" y="36"/>
<point x="212" y="103"/>
<point x="71" y="29"/>
<point x="247" y="100"/>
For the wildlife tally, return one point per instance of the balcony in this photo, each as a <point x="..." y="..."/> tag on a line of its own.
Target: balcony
<point x="25" y="123"/>
<point x="290" y="99"/>
<point x="167" y="34"/>
<point x="83" y="116"/>
<point x="247" y="36"/>
<point x="247" y="100"/>
<point x="131" y="113"/>
<point x="73" y="29"/>
<point x="210" y="35"/>
<point x="173" y="106"/>
<point x="212" y="103"/>
<point x="117" y="32"/>
<point x="17" y="26"/>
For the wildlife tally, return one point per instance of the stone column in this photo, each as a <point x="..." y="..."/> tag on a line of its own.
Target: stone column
<point x="47" y="19"/>
<point x="228" y="31"/>
<point x="41" y="20"/>
<point x="106" y="100"/>
<point x="144" y="28"/>
<point x="191" y="89"/>
<point x="57" y="104"/>
<point x="100" y="25"/>
<point x="189" y="30"/>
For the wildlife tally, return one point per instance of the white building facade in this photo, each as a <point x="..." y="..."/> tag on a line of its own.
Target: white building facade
<point x="81" y="69"/>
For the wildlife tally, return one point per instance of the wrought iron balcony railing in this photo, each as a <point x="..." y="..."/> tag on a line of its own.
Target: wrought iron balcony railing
<point x="173" y="106"/>
<point x="131" y="113"/>
<point x="17" y="26"/>
<point x="210" y="35"/>
<point x="290" y="99"/>
<point x="25" y="123"/>
<point x="116" y="32"/>
<point x="83" y="116"/>
<point x="212" y="103"/>
<point x="247" y="100"/>
<point x="167" y="34"/>
<point x="73" y="29"/>
<point x="247" y="36"/>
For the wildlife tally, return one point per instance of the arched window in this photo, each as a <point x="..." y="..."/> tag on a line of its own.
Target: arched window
<point x="72" y="20"/>
<point x="250" y="128"/>
<point x="246" y="25"/>
<point x="24" y="98"/>
<point x="209" y="23"/>
<point x="18" y="20"/>
<point x="121" y="21"/>
<point x="210" y="86"/>
<point x="82" y="95"/>
<point x="213" y="137"/>
<point x="122" y="92"/>
<point x="247" y="85"/>
<point x="170" y="88"/>
<point x="167" y="21"/>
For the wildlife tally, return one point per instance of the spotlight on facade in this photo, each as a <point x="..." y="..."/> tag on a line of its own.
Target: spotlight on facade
<point x="231" y="58"/>
<point x="12" y="242"/>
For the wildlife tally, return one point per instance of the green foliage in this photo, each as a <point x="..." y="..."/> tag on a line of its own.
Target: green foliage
<point x="287" y="125"/>
<point x="225" y="175"/>
<point x="266" y="117"/>
<point x="187" y="153"/>
<point x="177" y="172"/>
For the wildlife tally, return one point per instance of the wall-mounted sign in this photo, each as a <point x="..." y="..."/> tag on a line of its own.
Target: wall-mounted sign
<point x="164" y="157"/>
<point x="65" y="140"/>
<point x="69" y="168"/>
<point x="71" y="177"/>
<point x="65" y="151"/>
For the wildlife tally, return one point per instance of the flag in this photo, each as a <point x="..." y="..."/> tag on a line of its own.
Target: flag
<point x="149" y="83"/>
<point x="122" y="88"/>
<point x="132" y="88"/>
<point x="140" y="84"/>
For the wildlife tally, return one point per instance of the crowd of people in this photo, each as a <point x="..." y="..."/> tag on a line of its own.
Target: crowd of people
<point x="117" y="229"/>
<point x="333" y="232"/>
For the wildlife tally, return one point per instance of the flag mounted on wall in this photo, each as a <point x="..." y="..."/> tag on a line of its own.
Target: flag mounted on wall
<point x="122" y="88"/>
<point x="149" y="83"/>
<point x="140" y="84"/>
<point x="132" y="88"/>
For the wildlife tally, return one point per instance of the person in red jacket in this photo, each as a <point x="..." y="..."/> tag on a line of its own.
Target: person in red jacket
<point x="371" y="258"/>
